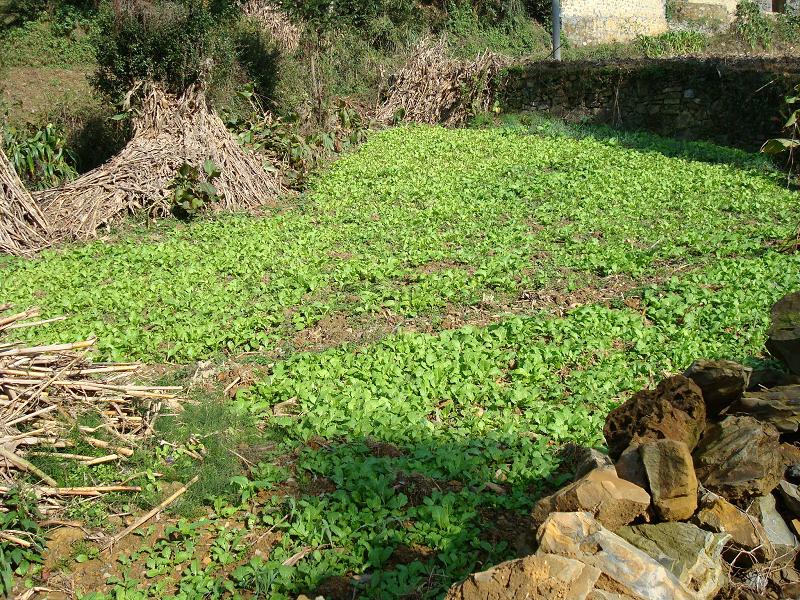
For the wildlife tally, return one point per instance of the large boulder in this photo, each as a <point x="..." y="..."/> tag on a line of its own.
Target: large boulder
<point x="538" y="576"/>
<point x="722" y="382"/>
<point x="624" y="568"/>
<point x="674" y="410"/>
<point x="784" y="331"/>
<point x="614" y="502"/>
<point x="720" y="516"/>
<point x="779" y="406"/>
<point x="664" y="468"/>
<point x="694" y="556"/>
<point x="739" y="458"/>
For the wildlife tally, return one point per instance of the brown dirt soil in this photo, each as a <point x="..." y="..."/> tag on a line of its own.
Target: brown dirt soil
<point x="340" y="328"/>
<point x="417" y="487"/>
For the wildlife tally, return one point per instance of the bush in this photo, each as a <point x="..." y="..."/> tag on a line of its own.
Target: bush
<point x="41" y="158"/>
<point x="170" y="41"/>
<point x="752" y="25"/>
<point x="672" y="43"/>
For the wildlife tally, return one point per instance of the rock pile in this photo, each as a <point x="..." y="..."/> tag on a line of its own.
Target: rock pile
<point x="697" y="498"/>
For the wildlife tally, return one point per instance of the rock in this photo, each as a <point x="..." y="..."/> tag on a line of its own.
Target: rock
<point x="538" y="576"/>
<point x="790" y="496"/>
<point x="722" y="382"/>
<point x="790" y="454"/>
<point x="613" y="501"/>
<point x="630" y="467"/>
<point x="663" y="468"/>
<point x="769" y="378"/>
<point x="790" y="591"/>
<point x="624" y="568"/>
<point x="784" y="331"/>
<point x="674" y="410"/>
<point x="604" y="595"/>
<point x="694" y="556"/>
<point x="584" y="460"/>
<point x="779" y="406"/>
<point x="739" y="458"/>
<point x="671" y="479"/>
<point x="778" y="533"/>
<point x="720" y="516"/>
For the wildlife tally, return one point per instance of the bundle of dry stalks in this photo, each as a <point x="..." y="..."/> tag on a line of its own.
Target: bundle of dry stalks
<point x="275" y="22"/>
<point x="44" y="392"/>
<point x="23" y="228"/>
<point x="168" y="132"/>
<point x="435" y="89"/>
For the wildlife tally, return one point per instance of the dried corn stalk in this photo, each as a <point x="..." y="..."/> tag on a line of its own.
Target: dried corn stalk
<point x="168" y="132"/>
<point x="44" y="390"/>
<point x="23" y="228"/>
<point x="275" y="22"/>
<point x="435" y="89"/>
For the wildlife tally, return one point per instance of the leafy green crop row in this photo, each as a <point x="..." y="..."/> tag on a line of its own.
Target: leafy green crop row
<point x="441" y="444"/>
<point x="417" y="221"/>
<point x="397" y="468"/>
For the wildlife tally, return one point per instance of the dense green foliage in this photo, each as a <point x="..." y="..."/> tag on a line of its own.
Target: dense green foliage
<point x="396" y="468"/>
<point x="167" y="41"/>
<point x="415" y="221"/>
<point x="40" y="158"/>
<point x="672" y="43"/>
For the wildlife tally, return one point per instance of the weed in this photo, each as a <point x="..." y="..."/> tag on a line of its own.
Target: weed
<point x="752" y="25"/>
<point x="672" y="43"/>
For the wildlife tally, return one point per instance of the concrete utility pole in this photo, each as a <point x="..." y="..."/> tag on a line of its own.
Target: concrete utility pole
<point x="557" y="29"/>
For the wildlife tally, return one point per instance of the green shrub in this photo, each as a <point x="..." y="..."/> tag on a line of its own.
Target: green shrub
<point x="752" y="25"/>
<point x="672" y="43"/>
<point x="172" y="42"/>
<point x="41" y="159"/>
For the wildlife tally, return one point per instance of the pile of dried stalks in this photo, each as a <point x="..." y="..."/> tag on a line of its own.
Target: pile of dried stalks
<point x="168" y="132"/>
<point x="44" y="392"/>
<point x="23" y="228"/>
<point x="275" y="22"/>
<point x="433" y="88"/>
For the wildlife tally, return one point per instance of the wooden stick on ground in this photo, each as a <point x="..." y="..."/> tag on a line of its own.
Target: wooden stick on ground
<point x="149" y="515"/>
<point x="23" y="464"/>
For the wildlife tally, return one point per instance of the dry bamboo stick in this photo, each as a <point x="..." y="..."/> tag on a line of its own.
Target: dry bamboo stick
<point x="101" y="460"/>
<point x="33" y="350"/>
<point x="105" y="445"/>
<point x="32" y="415"/>
<point x="23" y="464"/>
<point x="5" y="535"/>
<point x="150" y="514"/>
<point x="35" y="323"/>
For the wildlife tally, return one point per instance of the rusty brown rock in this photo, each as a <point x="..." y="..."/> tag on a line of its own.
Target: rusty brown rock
<point x="538" y="576"/>
<point x="613" y="501"/>
<point x="720" y="516"/>
<point x="722" y="382"/>
<point x="739" y="458"/>
<point x="671" y="478"/>
<point x="675" y="410"/>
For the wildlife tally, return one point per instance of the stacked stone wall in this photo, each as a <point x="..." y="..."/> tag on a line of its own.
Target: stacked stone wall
<point x="738" y="102"/>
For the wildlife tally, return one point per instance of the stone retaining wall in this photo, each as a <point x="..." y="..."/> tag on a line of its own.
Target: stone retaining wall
<point x="738" y="103"/>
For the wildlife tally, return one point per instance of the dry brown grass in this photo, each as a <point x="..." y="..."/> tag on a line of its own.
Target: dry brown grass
<point x="275" y="22"/>
<point x="168" y="132"/>
<point x="23" y="227"/>
<point x="436" y="89"/>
